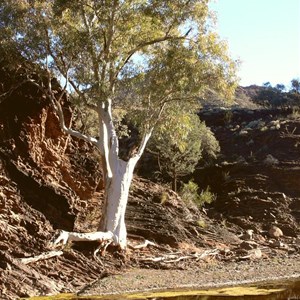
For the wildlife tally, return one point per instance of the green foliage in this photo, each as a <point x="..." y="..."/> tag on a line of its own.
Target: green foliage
<point x="267" y="84"/>
<point x="209" y="144"/>
<point x="295" y="113"/>
<point x="143" y="55"/>
<point x="226" y="175"/>
<point x="206" y="196"/>
<point x="164" y="197"/>
<point x="180" y="141"/>
<point x="228" y="115"/>
<point x="280" y="87"/>
<point x="190" y="193"/>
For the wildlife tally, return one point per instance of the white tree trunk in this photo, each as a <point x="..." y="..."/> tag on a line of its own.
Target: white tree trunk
<point x="113" y="226"/>
<point x="116" y="202"/>
<point x="117" y="177"/>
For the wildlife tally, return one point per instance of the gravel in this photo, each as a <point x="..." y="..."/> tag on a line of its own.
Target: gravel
<point x="202" y="276"/>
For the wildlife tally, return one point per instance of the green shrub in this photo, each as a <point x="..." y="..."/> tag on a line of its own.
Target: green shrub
<point x="206" y="196"/>
<point x="228" y="116"/>
<point x="201" y="223"/>
<point x="164" y="197"/>
<point x="190" y="193"/>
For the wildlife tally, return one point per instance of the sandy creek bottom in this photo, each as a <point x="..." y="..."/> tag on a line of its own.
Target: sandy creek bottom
<point x="287" y="290"/>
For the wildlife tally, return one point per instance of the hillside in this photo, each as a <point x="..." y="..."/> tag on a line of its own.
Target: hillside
<point x="50" y="181"/>
<point x="257" y="178"/>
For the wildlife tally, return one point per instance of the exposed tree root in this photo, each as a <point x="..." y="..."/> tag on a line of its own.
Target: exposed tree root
<point x="102" y="247"/>
<point x="144" y="245"/>
<point x="42" y="256"/>
<point x="106" y="238"/>
<point x="66" y="236"/>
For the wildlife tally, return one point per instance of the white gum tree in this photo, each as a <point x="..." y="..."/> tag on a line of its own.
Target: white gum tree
<point x="142" y="56"/>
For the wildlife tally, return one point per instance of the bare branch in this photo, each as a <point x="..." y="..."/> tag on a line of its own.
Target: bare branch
<point x="160" y="111"/>
<point x="175" y="257"/>
<point x="70" y="131"/>
<point x="58" y="109"/>
<point x="143" y="245"/>
<point x="156" y="116"/>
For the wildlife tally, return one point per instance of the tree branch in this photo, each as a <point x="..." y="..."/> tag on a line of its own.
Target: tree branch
<point x="112" y="138"/>
<point x="81" y="95"/>
<point x="58" y="109"/>
<point x="64" y="72"/>
<point x="70" y="131"/>
<point x="91" y="46"/>
<point x="142" y="146"/>
<point x="147" y="135"/>
<point x="149" y="43"/>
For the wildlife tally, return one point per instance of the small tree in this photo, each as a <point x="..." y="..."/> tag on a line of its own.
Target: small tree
<point x="295" y="86"/>
<point x="267" y="84"/>
<point x="272" y="96"/>
<point x="141" y="56"/>
<point x="280" y="87"/>
<point x="180" y="142"/>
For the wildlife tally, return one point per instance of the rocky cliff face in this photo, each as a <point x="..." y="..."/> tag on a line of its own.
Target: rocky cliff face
<point x="257" y="179"/>
<point x="45" y="179"/>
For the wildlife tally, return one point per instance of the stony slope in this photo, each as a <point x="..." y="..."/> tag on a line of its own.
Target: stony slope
<point x="257" y="179"/>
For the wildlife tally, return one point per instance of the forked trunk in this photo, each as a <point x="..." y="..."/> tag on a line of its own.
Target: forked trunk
<point x="117" y="177"/>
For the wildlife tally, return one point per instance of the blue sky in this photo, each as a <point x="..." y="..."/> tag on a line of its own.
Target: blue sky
<point x="264" y="35"/>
